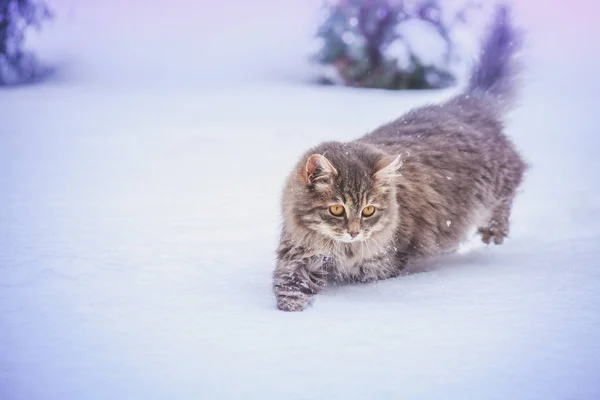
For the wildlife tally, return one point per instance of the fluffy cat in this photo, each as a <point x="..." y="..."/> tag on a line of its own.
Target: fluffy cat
<point x="412" y="188"/>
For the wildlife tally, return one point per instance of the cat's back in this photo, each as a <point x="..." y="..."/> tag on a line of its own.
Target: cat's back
<point x="460" y="124"/>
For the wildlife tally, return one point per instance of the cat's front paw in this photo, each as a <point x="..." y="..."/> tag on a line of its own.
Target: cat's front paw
<point x="293" y="302"/>
<point x="487" y="234"/>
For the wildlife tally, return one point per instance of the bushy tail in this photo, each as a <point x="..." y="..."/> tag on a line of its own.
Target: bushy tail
<point x="497" y="72"/>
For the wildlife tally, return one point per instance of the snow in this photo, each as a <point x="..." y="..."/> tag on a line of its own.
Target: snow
<point x="139" y="217"/>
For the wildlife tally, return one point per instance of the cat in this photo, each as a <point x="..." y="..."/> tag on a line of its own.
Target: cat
<point x="415" y="187"/>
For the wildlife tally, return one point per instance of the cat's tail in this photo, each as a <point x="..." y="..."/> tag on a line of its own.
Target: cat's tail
<point x="496" y="75"/>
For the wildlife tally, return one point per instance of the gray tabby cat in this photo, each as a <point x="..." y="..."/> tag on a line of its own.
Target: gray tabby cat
<point x="415" y="187"/>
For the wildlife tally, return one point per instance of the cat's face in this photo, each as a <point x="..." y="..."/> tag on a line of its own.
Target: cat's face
<point x="349" y="202"/>
<point x="353" y="217"/>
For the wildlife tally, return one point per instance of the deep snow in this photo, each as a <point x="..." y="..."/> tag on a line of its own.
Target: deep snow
<point x="139" y="215"/>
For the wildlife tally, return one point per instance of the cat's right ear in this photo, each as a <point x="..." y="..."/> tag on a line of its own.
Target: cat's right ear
<point x="318" y="169"/>
<point x="387" y="168"/>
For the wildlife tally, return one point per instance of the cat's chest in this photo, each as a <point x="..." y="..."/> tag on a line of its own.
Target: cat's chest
<point x="352" y="257"/>
<point x="349" y="263"/>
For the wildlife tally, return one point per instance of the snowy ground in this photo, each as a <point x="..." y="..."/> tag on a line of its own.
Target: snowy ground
<point x="139" y="215"/>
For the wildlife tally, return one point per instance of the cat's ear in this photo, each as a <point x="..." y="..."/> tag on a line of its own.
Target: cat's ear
<point x="318" y="169"/>
<point x="388" y="168"/>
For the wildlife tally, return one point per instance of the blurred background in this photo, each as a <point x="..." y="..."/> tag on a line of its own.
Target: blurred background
<point x="402" y="44"/>
<point x="143" y="148"/>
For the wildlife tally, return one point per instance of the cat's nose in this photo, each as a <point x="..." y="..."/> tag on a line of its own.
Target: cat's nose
<point x="353" y="234"/>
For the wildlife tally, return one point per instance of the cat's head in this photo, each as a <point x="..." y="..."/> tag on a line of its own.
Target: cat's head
<point x="347" y="194"/>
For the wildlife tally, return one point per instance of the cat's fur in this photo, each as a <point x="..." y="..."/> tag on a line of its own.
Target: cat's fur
<point x="433" y="175"/>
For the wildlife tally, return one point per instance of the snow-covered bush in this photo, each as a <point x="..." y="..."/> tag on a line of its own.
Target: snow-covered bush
<point x="16" y="16"/>
<point x="391" y="44"/>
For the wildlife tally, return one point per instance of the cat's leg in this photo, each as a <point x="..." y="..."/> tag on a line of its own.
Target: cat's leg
<point x="381" y="267"/>
<point x="499" y="224"/>
<point x="297" y="279"/>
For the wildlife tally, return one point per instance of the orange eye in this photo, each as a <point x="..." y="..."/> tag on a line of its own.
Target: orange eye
<point x="337" y="210"/>
<point x="368" y="211"/>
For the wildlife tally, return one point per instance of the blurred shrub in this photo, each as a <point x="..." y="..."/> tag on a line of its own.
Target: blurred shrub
<point x="16" y="16"/>
<point x="391" y="44"/>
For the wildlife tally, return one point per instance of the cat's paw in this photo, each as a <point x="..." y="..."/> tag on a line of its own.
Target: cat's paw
<point x="365" y="279"/>
<point x="293" y="302"/>
<point x="487" y="234"/>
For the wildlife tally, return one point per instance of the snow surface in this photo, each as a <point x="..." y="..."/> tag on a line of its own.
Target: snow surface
<point x="139" y="216"/>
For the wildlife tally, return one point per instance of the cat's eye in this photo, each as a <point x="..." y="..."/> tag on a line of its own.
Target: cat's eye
<point x="337" y="210"/>
<point x="368" y="211"/>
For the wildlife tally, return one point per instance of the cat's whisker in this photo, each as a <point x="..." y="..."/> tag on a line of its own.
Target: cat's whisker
<point x="362" y="249"/>
<point x="324" y="241"/>
<point x="327" y="244"/>
<point x="378" y="244"/>
<point x="301" y="241"/>
<point x="368" y="248"/>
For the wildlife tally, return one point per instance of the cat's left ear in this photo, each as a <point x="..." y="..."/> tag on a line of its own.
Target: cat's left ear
<point x="318" y="169"/>
<point x="388" y="168"/>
